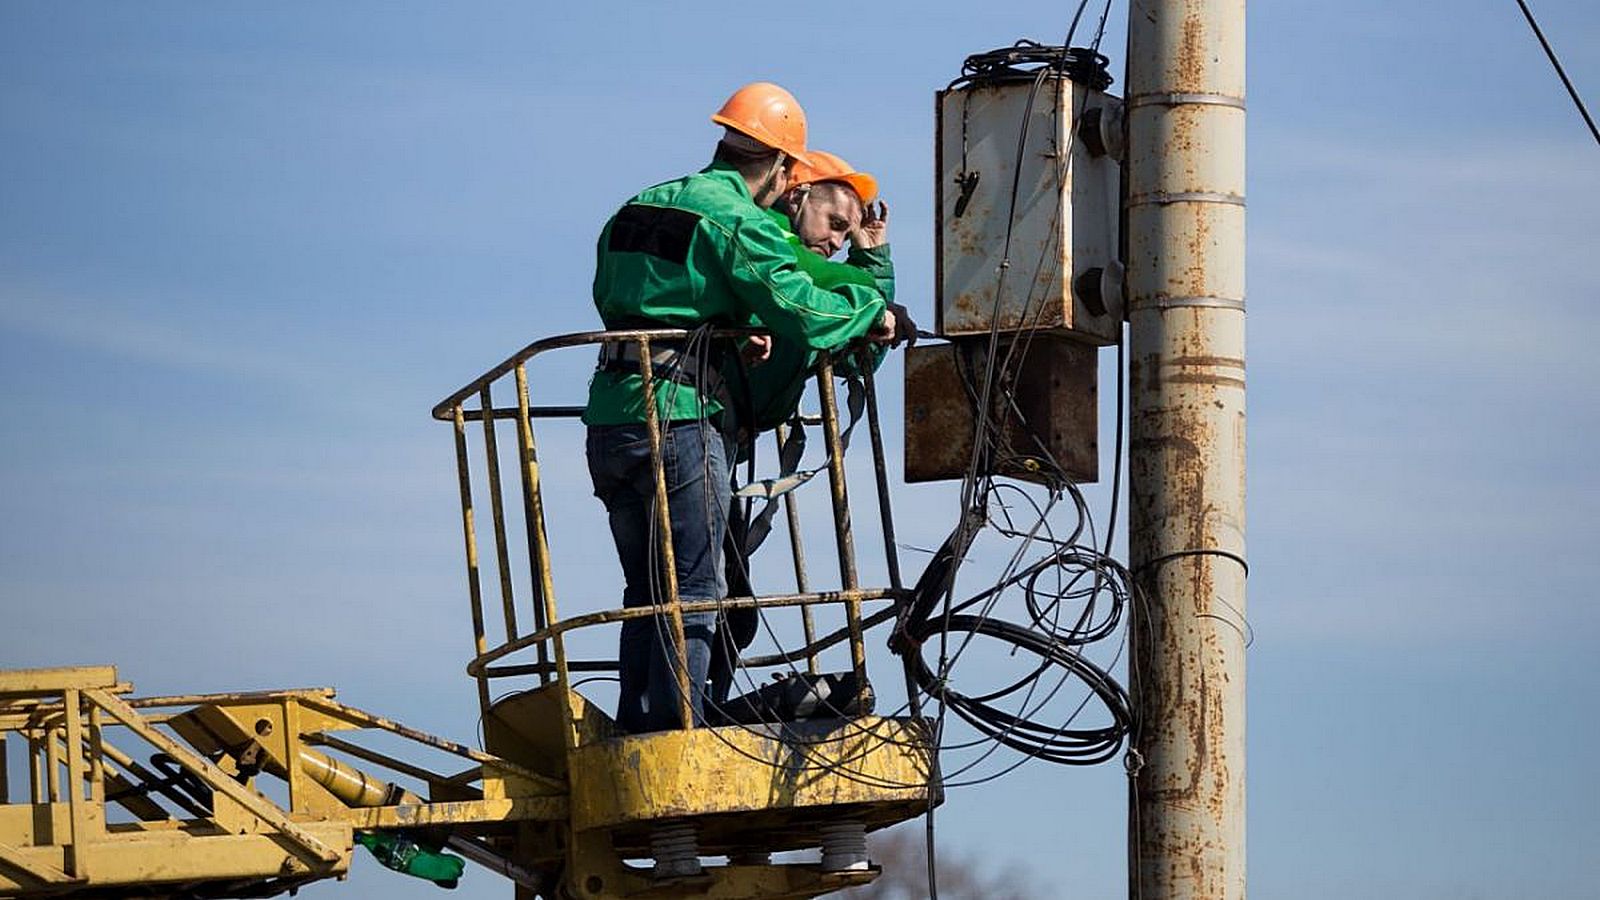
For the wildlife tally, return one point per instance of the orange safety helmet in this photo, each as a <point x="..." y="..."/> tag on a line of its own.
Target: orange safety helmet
<point x="820" y="165"/>
<point x="768" y="114"/>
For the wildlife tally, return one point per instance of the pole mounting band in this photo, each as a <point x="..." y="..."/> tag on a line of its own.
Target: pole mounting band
<point x="1164" y="197"/>
<point x="1139" y="303"/>
<point x="1176" y="98"/>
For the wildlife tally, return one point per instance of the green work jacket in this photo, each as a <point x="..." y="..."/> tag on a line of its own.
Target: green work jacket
<point x="769" y="392"/>
<point x="698" y="250"/>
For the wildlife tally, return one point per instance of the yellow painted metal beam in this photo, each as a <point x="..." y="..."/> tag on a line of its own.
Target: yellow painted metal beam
<point x="171" y="856"/>
<point x="54" y="681"/>
<point x="464" y="812"/>
<point x="39" y="871"/>
<point x="230" y="697"/>
<point x="77" y="772"/>
<point x="361" y="719"/>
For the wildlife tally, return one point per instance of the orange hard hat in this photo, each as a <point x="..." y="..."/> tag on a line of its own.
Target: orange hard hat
<point x="820" y="165"/>
<point x="768" y="114"/>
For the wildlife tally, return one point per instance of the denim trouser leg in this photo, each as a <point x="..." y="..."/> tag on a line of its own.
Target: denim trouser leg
<point x="694" y="457"/>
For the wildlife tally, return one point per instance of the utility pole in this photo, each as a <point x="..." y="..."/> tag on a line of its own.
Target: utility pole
<point x="1185" y="279"/>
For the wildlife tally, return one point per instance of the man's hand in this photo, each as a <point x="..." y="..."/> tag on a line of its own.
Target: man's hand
<point x="885" y="331"/>
<point x="874" y="228"/>
<point x="757" y="349"/>
<point x="905" y="330"/>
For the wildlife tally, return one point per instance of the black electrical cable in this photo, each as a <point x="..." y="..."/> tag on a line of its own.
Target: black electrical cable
<point x="1054" y="644"/>
<point x="1026" y="60"/>
<point x="1560" y="72"/>
<point x="1073" y="746"/>
<point x="981" y="69"/>
<point x="1009" y="65"/>
<point x="995" y="67"/>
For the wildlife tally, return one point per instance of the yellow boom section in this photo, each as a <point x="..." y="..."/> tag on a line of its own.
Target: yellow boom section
<point x="149" y="796"/>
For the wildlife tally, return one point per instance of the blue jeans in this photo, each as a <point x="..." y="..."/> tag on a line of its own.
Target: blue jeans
<point x="695" y="458"/>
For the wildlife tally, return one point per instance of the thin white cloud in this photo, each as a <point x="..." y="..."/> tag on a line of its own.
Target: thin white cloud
<point x="1464" y="264"/>
<point x="110" y="328"/>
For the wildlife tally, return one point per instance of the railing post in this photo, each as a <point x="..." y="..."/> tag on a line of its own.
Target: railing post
<point x="470" y="537"/>
<point x="669" y="566"/>
<point x="544" y="611"/>
<point x="77" y="811"/>
<point x="502" y="555"/>
<point x="791" y="512"/>
<point x="841" y="516"/>
<point x="891" y="552"/>
<point x="97" y="764"/>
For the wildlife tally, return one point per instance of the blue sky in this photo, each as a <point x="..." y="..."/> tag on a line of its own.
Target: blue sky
<point x="245" y="247"/>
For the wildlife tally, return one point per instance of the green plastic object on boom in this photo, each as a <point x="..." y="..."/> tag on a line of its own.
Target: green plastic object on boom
<point x="403" y="854"/>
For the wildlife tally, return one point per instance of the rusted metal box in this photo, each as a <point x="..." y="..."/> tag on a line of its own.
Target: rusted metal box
<point x="1045" y="399"/>
<point x="1063" y="271"/>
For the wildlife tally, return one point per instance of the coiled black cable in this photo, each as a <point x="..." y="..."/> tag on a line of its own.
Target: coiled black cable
<point x="1058" y="743"/>
<point x="1068" y="574"/>
<point x="1024" y="60"/>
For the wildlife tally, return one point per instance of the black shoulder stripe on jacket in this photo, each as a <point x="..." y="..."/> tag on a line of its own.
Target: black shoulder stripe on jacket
<point x="660" y="232"/>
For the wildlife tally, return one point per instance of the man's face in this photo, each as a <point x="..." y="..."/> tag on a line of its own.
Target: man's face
<point x="825" y="216"/>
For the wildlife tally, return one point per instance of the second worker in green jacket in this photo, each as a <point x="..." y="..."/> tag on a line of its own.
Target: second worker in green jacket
<point x="829" y="203"/>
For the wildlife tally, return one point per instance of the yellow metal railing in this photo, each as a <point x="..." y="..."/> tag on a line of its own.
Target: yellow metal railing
<point x="474" y="403"/>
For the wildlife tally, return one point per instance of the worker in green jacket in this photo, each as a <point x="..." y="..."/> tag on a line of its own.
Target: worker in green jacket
<point x="696" y="253"/>
<point x="829" y="203"/>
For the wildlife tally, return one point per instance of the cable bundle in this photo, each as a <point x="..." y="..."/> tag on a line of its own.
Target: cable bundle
<point x="1072" y="596"/>
<point x="1026" y="60"/>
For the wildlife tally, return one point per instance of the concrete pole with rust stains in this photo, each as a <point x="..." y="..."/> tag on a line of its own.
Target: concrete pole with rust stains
<point x="1186" y="132"/>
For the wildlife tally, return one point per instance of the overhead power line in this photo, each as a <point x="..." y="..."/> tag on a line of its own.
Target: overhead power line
<point x="1562" y="73"/>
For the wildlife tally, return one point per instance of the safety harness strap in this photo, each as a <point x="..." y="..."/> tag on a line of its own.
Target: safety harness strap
<point x="790" y="475"/>
<point x="668" y="362"/>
